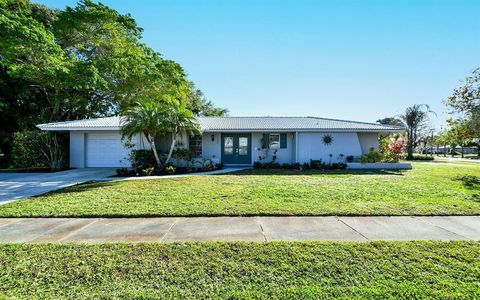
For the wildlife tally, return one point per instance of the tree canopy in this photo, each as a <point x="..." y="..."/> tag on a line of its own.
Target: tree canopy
<point x="83" y="61"/>
<point x="390" y="121"/>
<point x="465" y="100"/>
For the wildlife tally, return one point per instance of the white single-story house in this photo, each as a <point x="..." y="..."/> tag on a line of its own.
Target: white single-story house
<point x="230" y="140"/>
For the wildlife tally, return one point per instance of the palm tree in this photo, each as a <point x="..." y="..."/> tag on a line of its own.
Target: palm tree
<point x="414" y="120"/>
<point x="147" y="117"/>
<point x="179" y="120"/>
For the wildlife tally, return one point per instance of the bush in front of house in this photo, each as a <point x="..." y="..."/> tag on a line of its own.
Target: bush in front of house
<point x="170" y="169"/>
<point x="320" y="165"/>
<point x="144" y="164"/>
<point x="422" y="157"/>
<point x="142" y="159"/>
<point x="372" y="156"/>
<point x="313" y="165"/>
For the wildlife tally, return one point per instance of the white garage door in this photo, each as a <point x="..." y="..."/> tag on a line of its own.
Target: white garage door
<point x="106" y="150"/>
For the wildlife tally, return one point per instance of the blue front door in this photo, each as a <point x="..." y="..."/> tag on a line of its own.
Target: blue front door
<point x="236" y="148"/>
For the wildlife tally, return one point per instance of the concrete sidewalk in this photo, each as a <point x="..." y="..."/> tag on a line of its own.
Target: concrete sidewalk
<point x="259" y="229"/>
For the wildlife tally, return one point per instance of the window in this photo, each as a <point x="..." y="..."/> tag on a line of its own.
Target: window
<point x="274" y="141"/>
<point x="243" y="145"/>
<point x="195" y="144"/>
<point x="228" y="145"/>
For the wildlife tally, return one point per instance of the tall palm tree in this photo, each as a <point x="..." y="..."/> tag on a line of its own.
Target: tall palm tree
<point x="147" y="117"/>
<point x="414" y="119"/>
<point x="179" y="120"/>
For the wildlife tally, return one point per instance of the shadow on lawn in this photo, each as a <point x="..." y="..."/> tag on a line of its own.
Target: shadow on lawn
<point x="469" y="181"/>
<point x="81" y="187"/>
<point x="317" y="172"/>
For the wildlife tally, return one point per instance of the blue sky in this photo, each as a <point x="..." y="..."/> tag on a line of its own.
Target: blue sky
<point x="358" y="60"/>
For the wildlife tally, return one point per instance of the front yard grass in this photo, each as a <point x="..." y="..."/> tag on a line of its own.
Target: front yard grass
<point x="433" y="188"/>
<point x="312" y="270"/>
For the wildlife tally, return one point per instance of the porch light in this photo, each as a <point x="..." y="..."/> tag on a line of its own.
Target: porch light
<point x="213" y="138"/>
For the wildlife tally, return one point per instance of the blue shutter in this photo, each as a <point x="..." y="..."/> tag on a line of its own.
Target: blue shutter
<point x="265" y="141"/>
<point x="283" y="140"/>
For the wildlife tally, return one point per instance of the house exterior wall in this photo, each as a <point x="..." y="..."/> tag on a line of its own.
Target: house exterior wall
<point x="77" y="149"/>
<point x="301" y="146"/>
<point x="368" y="140"/>
<point x="284" y="155"/>
<point x="311" y="146"/>
<point x="212" y="149"/>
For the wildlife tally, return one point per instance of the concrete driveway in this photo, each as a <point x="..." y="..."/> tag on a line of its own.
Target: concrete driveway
<point x="15" y="186"/>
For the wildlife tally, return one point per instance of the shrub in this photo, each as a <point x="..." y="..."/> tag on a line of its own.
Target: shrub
<point x="183" y="154"/>
<point x="314" y="164"/>
<point x="37" y="149"/>
<point x="148" y="171"/>
<point x="296" y="166"/>
<point x="219" y="166"/>
<point x="26" y="151"/>
<point x="336" y="166"/>
<point x="191" y="169"/>
<point x="170" y="169"/>
<point x="350" y="158"/>
<point x="122" y="172"/>
<point x="142" y="159"/>
<point x="207" y="164"/>
<point x="257" y="165"/>
<point x="317" y="164"/>
<point x="392" y="147"/>
<point x="421" y="157"/>
<point x="371" y="157"/>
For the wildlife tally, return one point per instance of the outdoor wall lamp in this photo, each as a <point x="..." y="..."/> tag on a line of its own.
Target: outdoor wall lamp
<point x="213" y="137"/>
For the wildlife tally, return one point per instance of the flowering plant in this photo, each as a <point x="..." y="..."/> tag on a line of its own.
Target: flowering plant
<point x="393" y="147"/>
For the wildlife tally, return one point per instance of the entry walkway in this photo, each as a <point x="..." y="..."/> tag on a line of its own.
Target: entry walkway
<point x="258" y="229"/>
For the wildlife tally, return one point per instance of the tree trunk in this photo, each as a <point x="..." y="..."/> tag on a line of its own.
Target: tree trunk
<point x="410" y="145"/>
<point x="463" y="151"/>
<point x="171" y="149"/>
<point x="53" y="151"/>
<point x="445" y="150"/>
<point x="151" y="140"/>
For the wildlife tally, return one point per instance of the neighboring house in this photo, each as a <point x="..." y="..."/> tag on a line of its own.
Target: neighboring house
<point x="231" y="140"/>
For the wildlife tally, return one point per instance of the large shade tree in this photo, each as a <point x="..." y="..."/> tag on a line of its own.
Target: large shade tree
<point x="83" y="61"/>
<point x="415" y="120"/>
<point x="465" y="102"/>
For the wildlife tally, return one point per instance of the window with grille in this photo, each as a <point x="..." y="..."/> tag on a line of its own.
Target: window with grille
<point x="195" y="144"/>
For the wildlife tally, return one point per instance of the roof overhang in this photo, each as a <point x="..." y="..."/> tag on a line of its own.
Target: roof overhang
<point x="305" y="130"/>
<point x="116" y="128"/>
<point x="47" y="128"/>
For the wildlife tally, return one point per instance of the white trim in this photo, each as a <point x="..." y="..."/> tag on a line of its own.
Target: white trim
<point x="279" y="139"/>
<point x="296" y="147"/>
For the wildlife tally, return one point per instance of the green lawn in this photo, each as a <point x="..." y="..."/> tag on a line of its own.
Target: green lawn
<point x="434" y="188"/>
<point x="380" y="270"/>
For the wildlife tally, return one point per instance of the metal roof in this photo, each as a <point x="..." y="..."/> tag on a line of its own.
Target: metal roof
<point x="225" y="124"/>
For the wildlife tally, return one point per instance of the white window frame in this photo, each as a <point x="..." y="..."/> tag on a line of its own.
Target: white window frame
<point x="270" y="143"/>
